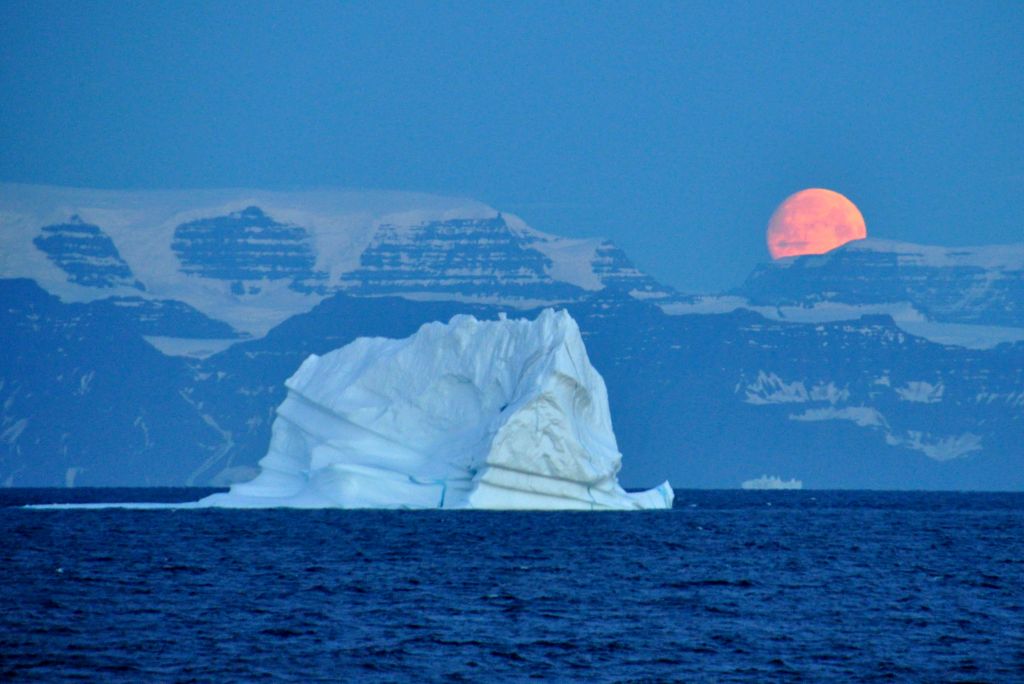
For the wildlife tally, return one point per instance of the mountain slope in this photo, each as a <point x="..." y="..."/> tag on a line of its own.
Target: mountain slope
<point x="84" y="399"/>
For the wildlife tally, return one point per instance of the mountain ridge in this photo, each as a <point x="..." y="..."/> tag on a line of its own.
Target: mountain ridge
<point x="252" y="258"/>
<point x="967" y="285"/>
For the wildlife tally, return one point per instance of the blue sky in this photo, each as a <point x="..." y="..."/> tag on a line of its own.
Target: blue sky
<point x="673" y="128"/>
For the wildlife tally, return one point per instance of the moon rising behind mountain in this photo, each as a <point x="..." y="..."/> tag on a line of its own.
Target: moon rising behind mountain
<point x="813" y="221"/>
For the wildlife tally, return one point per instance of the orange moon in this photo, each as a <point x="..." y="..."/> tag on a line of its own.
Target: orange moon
<point x="813" y="221"/>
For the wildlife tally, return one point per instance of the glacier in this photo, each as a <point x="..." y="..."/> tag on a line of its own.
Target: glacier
<point x="500" y="414"/>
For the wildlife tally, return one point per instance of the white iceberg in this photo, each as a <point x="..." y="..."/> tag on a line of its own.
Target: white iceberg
<point x="505" y="414"/>
<point x="773" y="482"/>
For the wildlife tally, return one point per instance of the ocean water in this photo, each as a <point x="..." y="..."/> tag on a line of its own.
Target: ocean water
<point x="728" y="586"/>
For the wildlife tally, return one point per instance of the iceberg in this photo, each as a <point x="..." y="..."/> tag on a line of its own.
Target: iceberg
<point x="773" y="482"/>
<point x="505" y="414"/>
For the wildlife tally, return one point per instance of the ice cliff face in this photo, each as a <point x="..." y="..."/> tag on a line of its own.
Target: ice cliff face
<point x="505" y="414"/>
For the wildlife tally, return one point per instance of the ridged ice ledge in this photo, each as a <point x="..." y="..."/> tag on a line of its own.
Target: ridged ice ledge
<point x="505" y="414"/>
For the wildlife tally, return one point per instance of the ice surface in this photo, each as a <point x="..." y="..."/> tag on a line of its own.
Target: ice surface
<point x="505" y="414"/>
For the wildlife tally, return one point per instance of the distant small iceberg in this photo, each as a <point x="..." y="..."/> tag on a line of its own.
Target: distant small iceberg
<point x="773" y="482"/>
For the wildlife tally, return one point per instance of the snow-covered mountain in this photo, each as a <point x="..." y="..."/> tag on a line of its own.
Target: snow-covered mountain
<point x="964" y="296"/>
<point x="251" y="259"/>
<point x="968" y="285"/>
<point x="153" y="344"/>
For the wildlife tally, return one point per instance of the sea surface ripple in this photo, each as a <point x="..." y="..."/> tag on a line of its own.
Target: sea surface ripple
<point x="728" y="586"/>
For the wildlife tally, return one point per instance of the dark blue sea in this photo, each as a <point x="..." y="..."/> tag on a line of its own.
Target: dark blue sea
<point x="728" y="586"/>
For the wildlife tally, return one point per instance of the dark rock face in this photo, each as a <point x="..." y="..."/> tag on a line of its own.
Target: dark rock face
<point x="948" y="291"/>
<point x="161" y="317"/>
<point x="473" y="258"/>
<point x="617" y="272"/>
<point x="84" y="400"/>
<point x="86" y="254"/>
<point x="247" y="246"/>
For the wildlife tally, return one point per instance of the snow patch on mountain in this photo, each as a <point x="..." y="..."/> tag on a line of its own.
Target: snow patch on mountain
<point x="199" y="348"/>
<point x="937" y="447"/>
<point x="921" y="392"/>
<point x="827" y="402"/>
<point x="572" y="261"/>
<point x="962" y="334"/>
<point x="941" y="447"/>
<point x="1013" y="399"/>
<point x="863" y="416"/>
<point x="769" y="388"/>
<point x="12" y="429"/>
